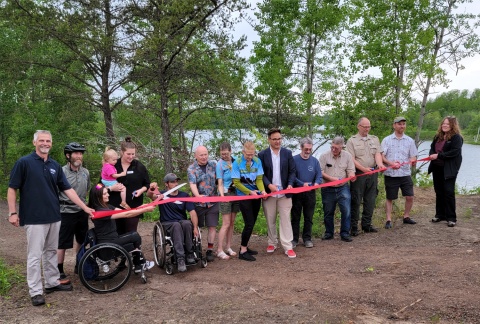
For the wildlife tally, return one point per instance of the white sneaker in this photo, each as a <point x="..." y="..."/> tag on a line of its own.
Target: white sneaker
<point x="148" y="265"/>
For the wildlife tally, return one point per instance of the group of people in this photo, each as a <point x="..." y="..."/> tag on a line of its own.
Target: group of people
<point x="53" y="199"/>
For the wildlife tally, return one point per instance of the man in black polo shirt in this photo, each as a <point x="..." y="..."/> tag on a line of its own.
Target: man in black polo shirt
<point x="39" y="179"/>
<point x="174" y="220"/>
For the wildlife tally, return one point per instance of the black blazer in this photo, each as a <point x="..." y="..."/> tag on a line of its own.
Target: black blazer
<point x="287" y="168"/>
<point x="451" y="155"/>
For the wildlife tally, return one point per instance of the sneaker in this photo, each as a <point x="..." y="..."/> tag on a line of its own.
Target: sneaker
<point x="191" y="259"/>
<point x="271" y="249"/>
<point x="291" y="254"/>
<point x="63" y="276"/>
<point x="388" y="224"/>
<point x="327" y="236"/>
<point x="369" y="229"/>
<point x="148" y="265"/>
<point x="408" y="220"/>
<point x="294" y="243"/>
<point x="38" y="300"/>
<point x="346" y="238"/>
<point x="181" y="265"/>
<point x="354" y="232"/>
<point x="451" y="224"/>
<point x="251" y="252"/>
<point x="59" y="288"/>
<point x="308" y="244"/>
<point x="210" y="256"/>
<point x="437" y="220"/>
<point x="138" y="268"/>
<point x="246" y="256"/>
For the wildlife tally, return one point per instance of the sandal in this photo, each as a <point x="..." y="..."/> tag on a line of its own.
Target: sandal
<point x="124" y="205"/>
<point x="223" y="256"/>
<point x="230" y="252"/>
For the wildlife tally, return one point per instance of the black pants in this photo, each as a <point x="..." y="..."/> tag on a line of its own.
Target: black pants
<point x="445" y="195"/>
<point x="249" y="209"/>
<point x="182" y="235"/>
<point x="306" y="201"/>
<point x="127" y="225"/>
<point x="132" y="237"/>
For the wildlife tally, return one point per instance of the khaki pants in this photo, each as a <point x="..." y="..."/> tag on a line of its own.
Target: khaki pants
<point x="283" y="206"/>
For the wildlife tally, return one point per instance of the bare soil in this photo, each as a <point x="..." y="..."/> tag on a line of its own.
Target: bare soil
<point x="423" y="273"/>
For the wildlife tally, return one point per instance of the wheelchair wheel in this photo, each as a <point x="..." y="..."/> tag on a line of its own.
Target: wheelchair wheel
<point x="105" y="268"/>
<point x="159" y="244"/>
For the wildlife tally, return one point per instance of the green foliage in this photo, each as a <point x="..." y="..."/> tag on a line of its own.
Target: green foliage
<point x="9" y="278"/>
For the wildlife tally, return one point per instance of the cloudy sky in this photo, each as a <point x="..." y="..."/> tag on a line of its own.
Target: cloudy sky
<point x="468" y="78"/>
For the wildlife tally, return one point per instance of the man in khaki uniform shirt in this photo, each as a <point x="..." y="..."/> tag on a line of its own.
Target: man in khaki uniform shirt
<point x="367" y="155"/>
<point x="336" y="164"/>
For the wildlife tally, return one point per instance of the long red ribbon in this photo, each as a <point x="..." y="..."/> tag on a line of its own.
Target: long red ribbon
<point x="214" y="199"/>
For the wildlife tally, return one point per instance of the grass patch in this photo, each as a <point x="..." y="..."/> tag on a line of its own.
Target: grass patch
<point x="9" y="277"/>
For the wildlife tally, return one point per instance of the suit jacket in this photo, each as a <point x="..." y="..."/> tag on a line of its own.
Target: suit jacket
<point x="287" y="168"/>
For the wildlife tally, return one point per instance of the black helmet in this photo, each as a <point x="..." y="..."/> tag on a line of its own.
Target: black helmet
<point x="73" y="147"/>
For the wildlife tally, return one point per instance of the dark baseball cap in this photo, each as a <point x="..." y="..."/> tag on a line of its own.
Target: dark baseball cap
<point x="170" y="177"/>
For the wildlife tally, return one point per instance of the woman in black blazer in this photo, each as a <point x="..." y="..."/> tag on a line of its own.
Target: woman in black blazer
<point x="446" y="159"/>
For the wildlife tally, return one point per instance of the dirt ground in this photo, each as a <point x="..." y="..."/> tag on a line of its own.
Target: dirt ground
<point x="423" y="273"/>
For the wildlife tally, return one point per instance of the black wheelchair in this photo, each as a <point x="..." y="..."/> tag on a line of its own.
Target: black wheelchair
<point x="105" y="267"/>
<point x="164" y="251"/>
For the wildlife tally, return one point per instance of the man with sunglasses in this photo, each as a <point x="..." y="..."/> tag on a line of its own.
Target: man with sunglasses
<point x="174" y="220"/>
<point x="308" y="173"/>
<point x="367" y="155"/>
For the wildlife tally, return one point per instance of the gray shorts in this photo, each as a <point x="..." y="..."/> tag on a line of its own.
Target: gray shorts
<point x="207" y="216"/>
<point x="229" y="207"/>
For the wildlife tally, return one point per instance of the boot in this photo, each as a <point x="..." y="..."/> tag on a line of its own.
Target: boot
<point x="138" y="261"/>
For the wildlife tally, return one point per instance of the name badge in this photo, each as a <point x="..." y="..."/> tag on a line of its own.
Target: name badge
<point x="130" y="172"/>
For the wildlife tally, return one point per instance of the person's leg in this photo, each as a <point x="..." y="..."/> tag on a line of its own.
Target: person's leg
<point x="344" y="203"/>
<point x="284" y="207"/>
<point x="65" y="239"/>
<point x="132" y="224"/>
<point x="35" y="241"/>
<point x="187" y="229"/>
<point x="329" y="201"/>
<point x="228" y="245"/>
<point x="246" y="208"/>
<point x="176" y="233"/>
<point x="391" y="192"/>
<point x="439" y="187"/>
<point x="308" y="202"/>
<point x="222" y="233"/>
<point x="81" y="229"/>
<point x="450" y="207"/>
<point x="369" y="197"/>
<point x="129" y="238"/>
<point x="270" y="211"/>
<point x="356" y="191"/>
<point x="49" y="257"/>
<point x="296" y="215"/>
<point x="407" y="191"/>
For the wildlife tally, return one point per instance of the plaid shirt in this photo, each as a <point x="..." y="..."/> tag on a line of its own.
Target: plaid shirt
<point x="205" y="181"/>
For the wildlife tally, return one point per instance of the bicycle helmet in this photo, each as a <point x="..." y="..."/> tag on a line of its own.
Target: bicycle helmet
<point x="73" y="147"/>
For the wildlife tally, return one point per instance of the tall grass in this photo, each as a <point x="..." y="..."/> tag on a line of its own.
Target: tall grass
<point x="9" y="277"/>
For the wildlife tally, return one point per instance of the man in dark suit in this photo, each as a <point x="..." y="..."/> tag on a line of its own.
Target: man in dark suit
<point x="279" y="174"/>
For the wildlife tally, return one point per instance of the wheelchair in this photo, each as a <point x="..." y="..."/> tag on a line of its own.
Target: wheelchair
<point x="106" y="267"/>
<point x="164" y="251"/>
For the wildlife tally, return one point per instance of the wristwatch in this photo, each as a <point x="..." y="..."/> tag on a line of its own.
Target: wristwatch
<point x="11" y="214"/>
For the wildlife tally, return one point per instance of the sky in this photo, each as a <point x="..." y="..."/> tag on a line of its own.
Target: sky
<point x="468" y="78"/>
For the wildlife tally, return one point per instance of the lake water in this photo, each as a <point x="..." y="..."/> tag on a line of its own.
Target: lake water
<point x="468" y="177"/>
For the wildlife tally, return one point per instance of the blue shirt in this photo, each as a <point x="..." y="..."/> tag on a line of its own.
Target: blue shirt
<point x="175" y="211"/>
<point x="307" y="170"/>
<point x="224" y="172"/>
<point x="247" y="176"/>
<point x="39" y="183"/>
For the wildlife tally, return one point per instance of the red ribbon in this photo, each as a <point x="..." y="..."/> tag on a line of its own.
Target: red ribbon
<point x="215" y="199"/>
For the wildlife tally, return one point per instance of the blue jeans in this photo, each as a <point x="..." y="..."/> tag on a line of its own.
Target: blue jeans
<point x="330" y="197"/>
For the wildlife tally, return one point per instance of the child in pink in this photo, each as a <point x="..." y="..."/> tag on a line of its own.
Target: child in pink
<point x="109" y="174"/>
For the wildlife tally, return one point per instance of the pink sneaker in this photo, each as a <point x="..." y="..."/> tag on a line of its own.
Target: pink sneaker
<point x="291" y="254"/>
<point x="271" y="249"/>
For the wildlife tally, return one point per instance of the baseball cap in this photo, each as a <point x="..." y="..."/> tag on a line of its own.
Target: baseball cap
<point x="170" y="177"/>
<point x="399" y="119"/>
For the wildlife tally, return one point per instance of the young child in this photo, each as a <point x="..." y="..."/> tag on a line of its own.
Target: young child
<point x="109" y="174"/>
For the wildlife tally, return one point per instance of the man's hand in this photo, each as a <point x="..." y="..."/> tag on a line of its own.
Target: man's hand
<point x="272" y="187"/>
<point x="195" y="231"/>
<point x="14" y="220"/>
<point x="89" y="211"/>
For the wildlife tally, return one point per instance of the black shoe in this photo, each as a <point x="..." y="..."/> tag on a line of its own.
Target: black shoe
<point x="246" y="256"/>
<point x="38" y="300"/>
<point x="59" y="288"/>
<point x="76" y="269"/>
<point x="437" y="220"/>
<point x="191" y="259"/>
<point x="181" y="265"/>
<point x="251" y="252"/>
<point x="210" y="256"/>
<point x="408" y="220"/>
<point x="327" y="236"/>
<point x="451" y="224"/>
<point x="388" y="225"/>
<point x="346" y="238"/>
<point x="354" y="232"/>
<point x="63" y="276"/>
<point x="369" y="229"/>
<point x="294" y="243"/>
